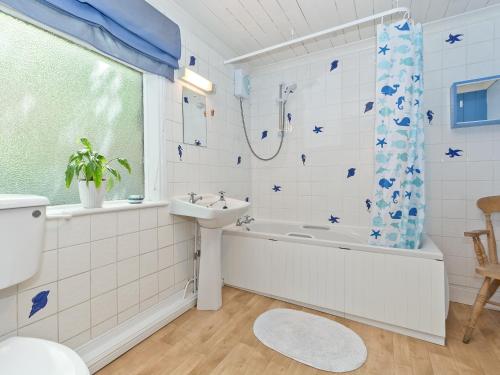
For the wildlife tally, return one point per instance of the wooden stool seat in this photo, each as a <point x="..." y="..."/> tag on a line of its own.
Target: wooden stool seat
<point x="488" y="263"/>
<point x="490" y="270"/>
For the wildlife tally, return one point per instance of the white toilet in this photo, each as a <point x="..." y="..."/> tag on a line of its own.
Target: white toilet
<point x="22" y="228"/>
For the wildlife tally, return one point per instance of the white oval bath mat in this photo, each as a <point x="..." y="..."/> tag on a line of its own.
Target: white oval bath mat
<point x="310" y="339"/>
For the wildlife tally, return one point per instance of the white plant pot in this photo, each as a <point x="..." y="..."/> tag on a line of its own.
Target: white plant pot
<point x="90" y="196"/>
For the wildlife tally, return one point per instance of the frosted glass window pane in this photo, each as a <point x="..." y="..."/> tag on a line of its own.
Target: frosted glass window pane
<point x="52" y="93"/>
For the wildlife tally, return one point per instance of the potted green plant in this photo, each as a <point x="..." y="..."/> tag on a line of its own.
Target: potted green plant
<point x="94" y="173"/>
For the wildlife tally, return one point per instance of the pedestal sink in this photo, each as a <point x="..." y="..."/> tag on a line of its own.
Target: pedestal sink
<point x="213" y="212"/>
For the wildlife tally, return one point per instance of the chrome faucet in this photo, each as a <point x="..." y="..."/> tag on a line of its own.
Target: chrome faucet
<point x="222" y="198"/>
<point x="247" y="219"/>
<point x="193" y="198"/>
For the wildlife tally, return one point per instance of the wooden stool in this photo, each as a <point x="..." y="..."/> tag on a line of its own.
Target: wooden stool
<point x="488" y="264"/>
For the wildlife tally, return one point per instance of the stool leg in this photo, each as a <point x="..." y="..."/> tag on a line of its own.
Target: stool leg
<point x="481" y="299"/>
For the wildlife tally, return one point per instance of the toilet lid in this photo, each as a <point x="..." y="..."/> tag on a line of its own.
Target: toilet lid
<point x="30" y="356"/>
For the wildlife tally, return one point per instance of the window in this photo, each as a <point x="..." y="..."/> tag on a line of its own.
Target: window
<point x="52" y="93"/>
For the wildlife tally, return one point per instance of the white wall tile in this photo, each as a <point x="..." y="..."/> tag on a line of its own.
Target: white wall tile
<point x="103" y="225"/>
<point x="128" y="270"/>
<point x="74" y="321"/>
<point x="148" y="286"/>
<point x="103" y="307"/>
<point x="43" y="329"/>
<point x="127" y="314"/>
<point x="165" y="236"/>
<point x="148" y="218"/>
<point x="148" y="240"/>
<point x="128" y="296"/>
<point x="103" y="279"/>
<point x="165" y="257"/>
<point x="25" y="304"/>
<point x="148" y="263"/>
<point x="128" y="221"/>
<point x="8" y="310"/>
<point x="74" y="231"/>
<point x="103" y="252"/>
<point x="47" y="273"/>
<point x="74" y="290"/>
<point x="74" y="260"/>
<point x="104" y="327"/>
<point x="128" y="245"/>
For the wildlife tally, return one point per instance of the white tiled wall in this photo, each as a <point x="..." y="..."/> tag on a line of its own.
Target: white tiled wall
<point x="100" y="270"/>
<point x="336" y="100"/>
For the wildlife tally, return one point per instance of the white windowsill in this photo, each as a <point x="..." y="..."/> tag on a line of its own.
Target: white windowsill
<point x="67" y="211"/>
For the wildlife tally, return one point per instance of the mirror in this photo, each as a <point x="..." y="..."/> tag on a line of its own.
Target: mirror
<point x="194" y="116"/>
<point x="475" y="102"/>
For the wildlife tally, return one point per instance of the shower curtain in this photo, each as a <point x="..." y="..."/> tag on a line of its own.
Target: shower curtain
<point x="399" y="200"/>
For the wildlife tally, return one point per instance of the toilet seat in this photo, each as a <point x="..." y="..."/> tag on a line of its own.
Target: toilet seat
<point x="28" y="356"/>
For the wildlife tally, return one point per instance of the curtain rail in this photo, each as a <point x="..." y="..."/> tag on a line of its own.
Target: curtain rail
<point x="360" y="21"/>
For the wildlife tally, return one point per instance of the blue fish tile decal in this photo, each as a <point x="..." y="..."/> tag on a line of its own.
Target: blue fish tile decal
<point x="368" y="204"/>
<point x="386" y="183"/>
<point x="289" y="117"/>
<point x="186" y="100"/>
<point x="390" y="90"/>
<point x="197" y="142"/>
<point x="405" y="121"/>
<point x="192" y="61"/>
<point x="430" y="116"/>
<point x="375" y="233"/>
<point x="351" y="172"/>
<point x="383" y="50"/>
<point x="334" y="219"/>
<point x="403" y="27"/>
<point x="264" y="134"/>
<point x="454" y="38"/>
<point x="318" y="129"/>
<point x="276" y="188"/>
<point x="381" y="142"/>
<point x="453" y="153"/>
<point x="303" y="158"/>
<point x="238" y="162"/>
<point x="368" y="107"/>
<point x="39" y="302"/>
<point x="179" y="151"/>
<point x="334" y="65"/>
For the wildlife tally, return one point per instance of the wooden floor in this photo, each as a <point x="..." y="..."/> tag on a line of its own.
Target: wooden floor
<point x="222" y="342"/>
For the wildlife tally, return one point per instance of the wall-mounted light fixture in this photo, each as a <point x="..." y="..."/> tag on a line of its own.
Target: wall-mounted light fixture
<point x="194" y="79"/>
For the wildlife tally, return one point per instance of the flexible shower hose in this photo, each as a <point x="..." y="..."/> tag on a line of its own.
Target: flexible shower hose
<point x="248" y="140"/>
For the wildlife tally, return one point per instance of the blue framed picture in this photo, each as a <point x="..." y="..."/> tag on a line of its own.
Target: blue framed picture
<point x="475" y="102"/>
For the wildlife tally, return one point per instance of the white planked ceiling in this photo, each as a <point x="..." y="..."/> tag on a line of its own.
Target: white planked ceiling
<point x="248" y="25"/>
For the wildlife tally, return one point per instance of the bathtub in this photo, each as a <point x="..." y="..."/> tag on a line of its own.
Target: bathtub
<point x="330" y="268"/>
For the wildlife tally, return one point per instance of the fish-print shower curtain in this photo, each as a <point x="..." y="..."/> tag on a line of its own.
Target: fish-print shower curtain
<point x="399" y="200"/>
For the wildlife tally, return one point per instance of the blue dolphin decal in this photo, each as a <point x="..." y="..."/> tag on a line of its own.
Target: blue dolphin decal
<point x="389" y="90"/>
<point x="276" y="188"/>
<point x="368" y="106"/>
<point x="334" y="65"/>
<point x="453" y="153"/>
<point x="39" y="302"/>
<point x="264" y="134"/>
<point x="334" y="219"/>
<point x="368" y="203"/>
<point x="386" y="183"/>
<point x="405" y="121"/>
<point x="453" y="38"/>
<point x="351" y="172"/>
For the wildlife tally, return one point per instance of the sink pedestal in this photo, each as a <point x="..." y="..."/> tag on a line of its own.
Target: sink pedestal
<point x="210" y="274"/>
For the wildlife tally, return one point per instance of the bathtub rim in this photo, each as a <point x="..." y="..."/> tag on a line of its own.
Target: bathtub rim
<point x="428" y="250"/>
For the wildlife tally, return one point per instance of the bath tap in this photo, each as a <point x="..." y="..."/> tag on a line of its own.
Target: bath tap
<point x="193" y="198"/>
<point x="247" y="219"/>
<point x="222" y="198"/>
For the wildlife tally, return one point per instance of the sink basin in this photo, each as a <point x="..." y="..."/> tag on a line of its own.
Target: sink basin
<point x="209" y="211"/>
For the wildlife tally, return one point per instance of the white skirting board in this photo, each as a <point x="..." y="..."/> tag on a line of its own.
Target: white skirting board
<point x="102" y="350"/>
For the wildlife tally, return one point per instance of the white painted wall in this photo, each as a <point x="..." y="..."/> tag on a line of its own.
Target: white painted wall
<point x="336" y="101"/>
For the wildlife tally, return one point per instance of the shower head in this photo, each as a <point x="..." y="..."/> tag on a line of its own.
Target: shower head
<point x="287" y="90"/>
